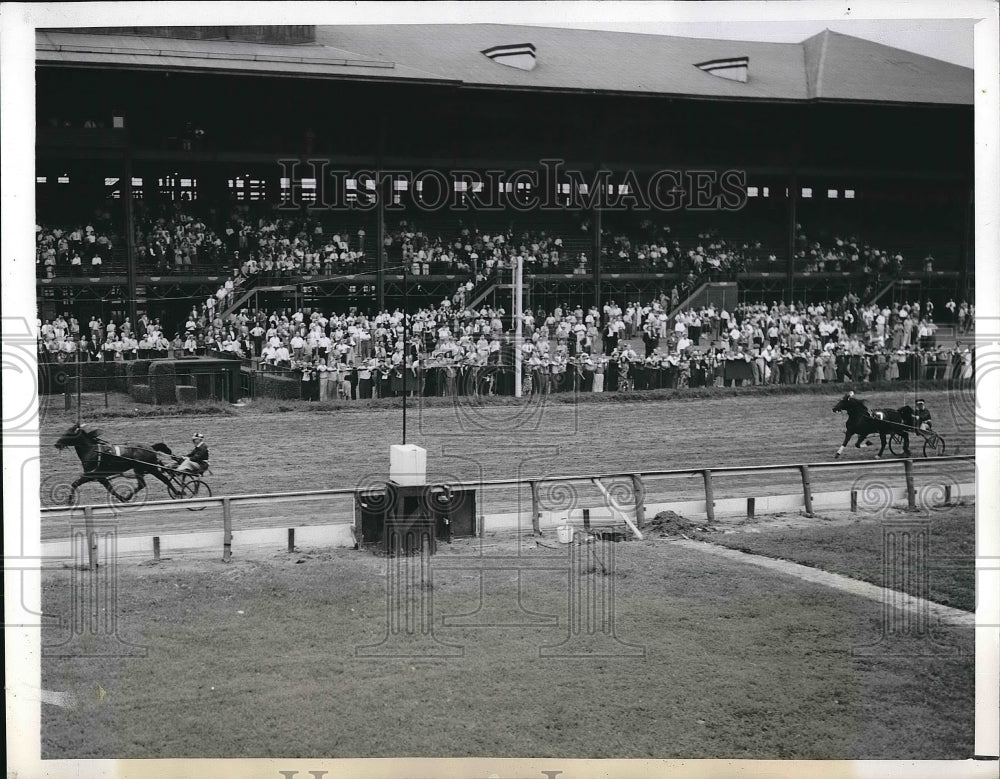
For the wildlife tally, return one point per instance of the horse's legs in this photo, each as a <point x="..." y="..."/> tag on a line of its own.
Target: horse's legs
<point x="158" y="475"/>
<point x="106" y="483"/>
<point x="847" y="437"/>
<point x="881" y="436"/>
<point x="73" y="487"/>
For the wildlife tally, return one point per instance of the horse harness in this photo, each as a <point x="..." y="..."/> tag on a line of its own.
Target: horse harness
<point x="107" y="450"/>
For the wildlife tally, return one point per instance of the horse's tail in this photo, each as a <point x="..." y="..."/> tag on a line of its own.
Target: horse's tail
<point x="162" y="447"/>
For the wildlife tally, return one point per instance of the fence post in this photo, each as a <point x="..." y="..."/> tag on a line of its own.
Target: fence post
<point x="291" y="539"/>
<point x="88" y="519"/>
<point x="709" y="495"/>
<point x="807" y="490"/>
<point x="227" y="531"/>
<point x="69" y="402"/>
<point x="535" y="512"/>
<point x="156" y="548"/>
<point x="639" y="492"/>
<point x="751" y="507"/>
<point x="911" y="494"/>
<point x="854" y="501"/>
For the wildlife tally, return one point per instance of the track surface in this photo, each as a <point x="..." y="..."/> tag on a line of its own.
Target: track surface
<point x="740" y="662"/>
<point x="257" y="452"/>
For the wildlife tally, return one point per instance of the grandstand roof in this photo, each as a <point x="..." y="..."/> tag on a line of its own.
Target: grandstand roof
<point x="829" y="66"/>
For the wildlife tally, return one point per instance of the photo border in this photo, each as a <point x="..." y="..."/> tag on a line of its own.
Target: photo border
<point x="21" y="511"/>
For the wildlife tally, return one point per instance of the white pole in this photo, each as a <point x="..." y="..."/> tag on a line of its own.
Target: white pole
<point x="613" y="504"/>
<point x="518" y="334"/>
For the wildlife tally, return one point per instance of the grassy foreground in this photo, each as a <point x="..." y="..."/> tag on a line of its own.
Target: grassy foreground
<point x="855" y="549"/>
<point x="259" y="659"/>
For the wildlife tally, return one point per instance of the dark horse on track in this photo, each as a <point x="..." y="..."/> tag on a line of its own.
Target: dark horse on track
<point x="102" y="460"/>
<point x="884" y="421"/>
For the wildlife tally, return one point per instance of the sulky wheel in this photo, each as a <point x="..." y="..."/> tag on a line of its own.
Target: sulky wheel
<point x="896" y="445"/>
<point x="933" y="445"/>
<point x="194" y="488"/>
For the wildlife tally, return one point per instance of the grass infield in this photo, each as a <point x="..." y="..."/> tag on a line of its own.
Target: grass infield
<point x="258" y="659"/>
<point x="853" y="547"/>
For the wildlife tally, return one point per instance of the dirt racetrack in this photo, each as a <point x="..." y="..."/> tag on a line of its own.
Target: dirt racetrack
<point x="254" y="451"/>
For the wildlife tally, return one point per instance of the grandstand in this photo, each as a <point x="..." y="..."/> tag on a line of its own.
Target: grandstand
<point x="777" y="166"/>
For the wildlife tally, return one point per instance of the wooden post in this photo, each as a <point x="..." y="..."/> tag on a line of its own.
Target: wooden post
<point x="535" y="509"/>
<point x="911" y="494"/>
<point x="751" y="507"/>
<point x="88" y="519"/>
<point x="586" y="519"/>
<point x="947" y="495"/>
<point x="291" y="539"/>
<point x="807" y="490"/>
<point x="156" y="548"/>
<point x="69" y="402"/>
<point x="854" y="501"/>
<point x="709" y="495"/>
<point x="227" y="531"/>
<point x="639" y="491"/>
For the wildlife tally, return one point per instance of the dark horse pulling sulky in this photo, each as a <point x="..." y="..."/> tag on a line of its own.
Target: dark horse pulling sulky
<point x="101" y="460"/>
<point x="862" y="422"/>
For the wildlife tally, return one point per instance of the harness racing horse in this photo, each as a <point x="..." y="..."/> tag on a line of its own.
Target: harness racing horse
<point x="861" y="423"/>
<point x="102" y="460"/>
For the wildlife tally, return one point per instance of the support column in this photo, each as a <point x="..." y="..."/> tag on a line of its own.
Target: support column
<point x="384" y="189"/>
<point x="130" y="258"/>
<point x="597" y="253"/>
<point x="968" y="245"/>
<point x="518" y="323"/>
<point x="793" y="199"/>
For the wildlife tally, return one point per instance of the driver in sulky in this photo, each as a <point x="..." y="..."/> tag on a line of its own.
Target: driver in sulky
<point x="197" y="459"/>
<point x="922" y="415"/>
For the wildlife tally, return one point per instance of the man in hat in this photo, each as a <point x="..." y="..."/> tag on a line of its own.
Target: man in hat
<point x="197" y="459"/>
<point x="922" y="415"/>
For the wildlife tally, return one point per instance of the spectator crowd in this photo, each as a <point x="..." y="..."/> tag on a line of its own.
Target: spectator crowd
<point x="446" y="349"/>
<point x="80" y="248"/>
<point x="173" y="239"/>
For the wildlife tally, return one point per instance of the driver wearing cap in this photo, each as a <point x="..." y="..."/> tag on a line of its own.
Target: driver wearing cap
<point x="197" y="459"/>
<point x="922" y="416"/>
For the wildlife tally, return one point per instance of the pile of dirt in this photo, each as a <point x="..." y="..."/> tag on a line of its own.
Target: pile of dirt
<point x="668" y="524"/>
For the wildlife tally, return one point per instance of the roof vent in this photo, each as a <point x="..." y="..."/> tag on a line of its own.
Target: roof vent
<point x="732" y="68"/>
<point x="515" y="55"/>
